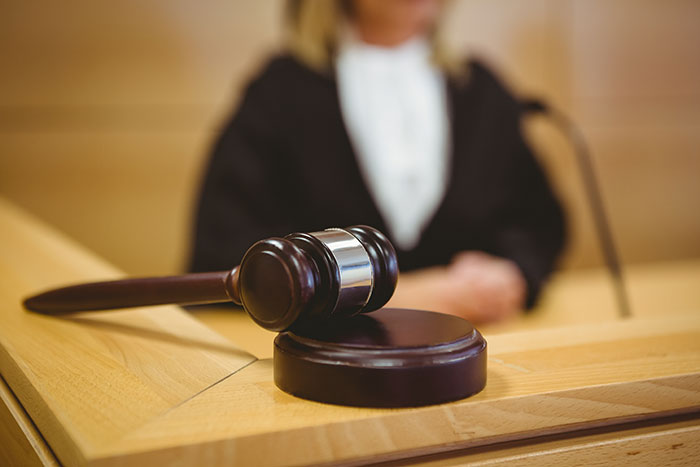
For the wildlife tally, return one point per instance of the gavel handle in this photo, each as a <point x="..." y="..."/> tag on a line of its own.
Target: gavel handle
<point x="188" y="289"/>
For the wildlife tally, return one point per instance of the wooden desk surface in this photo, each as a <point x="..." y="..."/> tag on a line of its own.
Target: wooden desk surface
<point x="656" y="290"/>
<point x="154" y="385"/>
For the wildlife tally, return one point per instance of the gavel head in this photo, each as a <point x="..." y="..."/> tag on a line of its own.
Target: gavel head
<point x="305" y="277"/>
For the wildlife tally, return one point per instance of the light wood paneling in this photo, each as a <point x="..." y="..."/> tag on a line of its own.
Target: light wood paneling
<point x="20" y="442"/>
<point x="235" y="324"/>
<point x="87" y="380"/>
<point x="131" y="55"/>
<point x="132" y="196"/>
<point x="635" y="75"/>
<point x="670" y="443"/>
<point x="576" y="296"/>
<point x="539" y="383"/>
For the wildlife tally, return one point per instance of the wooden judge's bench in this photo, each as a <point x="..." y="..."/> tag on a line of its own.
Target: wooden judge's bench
<point x="152" y="386"/>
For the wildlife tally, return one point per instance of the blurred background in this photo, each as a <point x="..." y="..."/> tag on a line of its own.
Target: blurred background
<point x="108" y="111"/>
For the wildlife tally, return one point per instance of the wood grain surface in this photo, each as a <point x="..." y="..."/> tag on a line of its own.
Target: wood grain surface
<point x="19" y="438"/>
<point x="87" y="380"/>
<point x="674" y="441"/>
<point x="154" y="386"/>
<point x="572" y="297"/>
<point x="539" y="383"/>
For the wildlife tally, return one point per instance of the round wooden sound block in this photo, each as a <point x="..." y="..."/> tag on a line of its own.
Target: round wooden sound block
<point x="389" y="358"/>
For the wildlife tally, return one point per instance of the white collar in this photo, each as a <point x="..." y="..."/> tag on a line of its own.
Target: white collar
<point x="415" y="50"/>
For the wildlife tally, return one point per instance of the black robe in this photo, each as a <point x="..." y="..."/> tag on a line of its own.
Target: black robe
<point x="284" y="163"/>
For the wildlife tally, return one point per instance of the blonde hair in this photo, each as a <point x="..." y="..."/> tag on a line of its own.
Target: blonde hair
<point x="312" y="30"/>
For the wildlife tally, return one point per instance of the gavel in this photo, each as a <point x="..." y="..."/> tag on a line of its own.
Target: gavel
<point x="310" y="287"/>
<point x="281" y="282"/>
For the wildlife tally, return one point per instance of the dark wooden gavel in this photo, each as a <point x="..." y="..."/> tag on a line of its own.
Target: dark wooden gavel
<point x="281" y="282"/>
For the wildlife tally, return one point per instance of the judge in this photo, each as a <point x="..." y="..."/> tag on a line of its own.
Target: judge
<point x="365" y="119"/>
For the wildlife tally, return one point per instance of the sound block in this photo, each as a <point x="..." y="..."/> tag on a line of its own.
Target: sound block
<point x="389" y="358"/>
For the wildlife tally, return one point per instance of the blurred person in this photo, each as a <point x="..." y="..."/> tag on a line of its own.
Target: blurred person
<point x="366" y="119"/>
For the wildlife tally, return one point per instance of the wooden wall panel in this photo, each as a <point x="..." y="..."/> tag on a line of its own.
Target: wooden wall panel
<point x="128" y="193"/>
<point x="148" y="53"/>
<point x="107" y="111"/>
<point x="636" y="82"/>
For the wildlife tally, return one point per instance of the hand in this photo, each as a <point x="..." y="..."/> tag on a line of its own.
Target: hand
<point x="476" y="286"/>
<point x="485" y="288"/>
